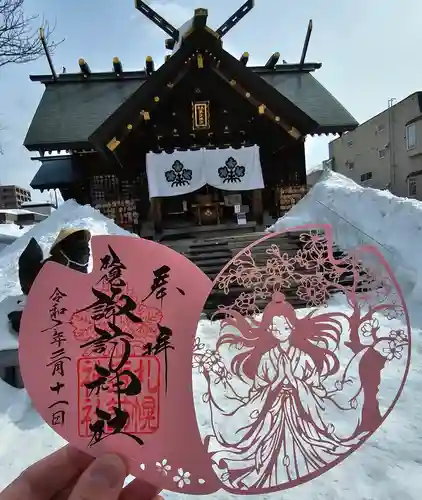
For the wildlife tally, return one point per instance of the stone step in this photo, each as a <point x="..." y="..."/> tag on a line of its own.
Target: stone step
<point x="206" y="264"/>
<point x="209" y="255"/>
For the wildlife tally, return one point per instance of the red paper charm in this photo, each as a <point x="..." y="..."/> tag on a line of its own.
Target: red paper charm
<point x="106" y="358"/>
<point x="292" y="392"/>
<point x="303" y="362"/>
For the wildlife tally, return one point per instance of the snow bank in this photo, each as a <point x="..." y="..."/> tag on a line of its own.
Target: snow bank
<point x="362" y="215"/>
<point x="70" y="214"/>
<point x="25" y="438"/>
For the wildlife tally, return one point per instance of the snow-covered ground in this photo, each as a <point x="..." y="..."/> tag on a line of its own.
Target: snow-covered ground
<point x="389" y="465"/>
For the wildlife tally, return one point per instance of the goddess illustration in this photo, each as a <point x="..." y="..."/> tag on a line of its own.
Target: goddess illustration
<point x="293" y="397"/>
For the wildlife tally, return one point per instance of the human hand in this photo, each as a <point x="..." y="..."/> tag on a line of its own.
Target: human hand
<point x="70" y="474"/>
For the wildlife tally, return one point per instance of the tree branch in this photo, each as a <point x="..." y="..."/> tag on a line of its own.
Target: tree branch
<point x="19" y="37"/>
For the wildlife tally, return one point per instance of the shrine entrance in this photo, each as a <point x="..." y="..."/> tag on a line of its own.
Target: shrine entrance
<point x="207" y="206"/>
<point x="205" y="187"/>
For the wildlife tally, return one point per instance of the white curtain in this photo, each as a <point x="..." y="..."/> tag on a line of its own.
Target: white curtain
<point x="174" y="174"/>
<point x="233" y="169"/>
<point x="186" y="171"/>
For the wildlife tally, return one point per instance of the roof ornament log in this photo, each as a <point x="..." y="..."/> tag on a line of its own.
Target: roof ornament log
<point x="47" y="54"/>
<point x="200" y="17"/>
<point x="117" y="66"/>
<point x="235" y="18"/>
<point x="244" y="58"/>
<point x="272" y="61"/>
<point x="306" y="44"/>
<point x="85" y="69"/>
<point x="149" y="65"/>
<point x="159" y="21"/>
<point x="170" y="43"/>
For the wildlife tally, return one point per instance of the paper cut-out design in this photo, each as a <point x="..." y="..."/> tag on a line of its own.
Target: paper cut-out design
<point x="231" y="172"/>
<point x="178" y="175"/>
<point x="106" y="358"/>
<point x="291" y="393"/>
<point x="282" y="392"/>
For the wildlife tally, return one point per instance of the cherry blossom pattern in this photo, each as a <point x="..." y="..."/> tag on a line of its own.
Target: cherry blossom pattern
<point x="398" y="341"/>
<point x="370" y="328"/>
<point x="311" y="272"/>
<point x="182" y="478"/>
<point x="330" y="360"/>
<point x="207" y="361"/>
<point x="163" y="467"/>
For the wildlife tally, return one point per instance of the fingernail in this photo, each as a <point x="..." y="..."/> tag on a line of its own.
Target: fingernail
<point x="108" y="471"/>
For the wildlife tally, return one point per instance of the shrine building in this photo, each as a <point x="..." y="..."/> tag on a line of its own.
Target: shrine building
<point x="204" y="141"/>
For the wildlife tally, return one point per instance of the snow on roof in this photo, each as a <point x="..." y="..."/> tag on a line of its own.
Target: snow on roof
<point x="15" y="211"/>
<point x="13" y="229"/>
<point x="314" y="168"/>
<point x="38" y="204"/>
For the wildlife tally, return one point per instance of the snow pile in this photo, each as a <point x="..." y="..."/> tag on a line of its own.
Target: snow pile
<point x="21" y="426"/>
<point x="365" y="216"/>
<point x="70" y="214"/>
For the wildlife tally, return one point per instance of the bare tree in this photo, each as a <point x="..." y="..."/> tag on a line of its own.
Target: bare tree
<point x="19" y="35"/>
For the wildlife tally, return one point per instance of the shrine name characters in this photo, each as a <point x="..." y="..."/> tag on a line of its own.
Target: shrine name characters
<point x="201" y="115"/>
<point x="58" y="358"/>
<point x="143" y="409"/>
<point x="115" y="396"/>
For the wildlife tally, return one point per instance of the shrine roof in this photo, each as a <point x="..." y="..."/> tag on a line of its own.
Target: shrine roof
<point x="73" y="107"/>
<point x="56" y="172"/>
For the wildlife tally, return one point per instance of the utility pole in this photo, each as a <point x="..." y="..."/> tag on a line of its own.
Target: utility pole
<point x="392" y="155"/>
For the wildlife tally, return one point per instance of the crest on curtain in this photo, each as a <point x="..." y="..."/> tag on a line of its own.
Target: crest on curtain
<point x="232" y="172"/>
<point x="178" y="175"/>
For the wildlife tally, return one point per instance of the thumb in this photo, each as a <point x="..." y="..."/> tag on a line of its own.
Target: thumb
<point x="102" y="480"/>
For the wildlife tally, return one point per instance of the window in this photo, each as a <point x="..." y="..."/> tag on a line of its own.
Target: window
<point x="381" y="153"/>
<point x="410" y="136"/>
<point x="350" y="143"/>
<point x="350" y="165"/>
<point x="412" y="187"/>
<point x="366" y="177"/>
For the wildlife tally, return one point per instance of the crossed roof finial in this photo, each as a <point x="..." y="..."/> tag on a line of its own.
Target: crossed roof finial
<point x="174" y="33"/>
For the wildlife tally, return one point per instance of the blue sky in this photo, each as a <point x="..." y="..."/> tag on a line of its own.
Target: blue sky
<point x="370" y="50"/>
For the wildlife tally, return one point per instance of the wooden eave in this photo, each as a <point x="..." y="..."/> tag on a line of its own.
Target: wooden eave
<point x="141" y="75"/>
<point x="161" y="83"/>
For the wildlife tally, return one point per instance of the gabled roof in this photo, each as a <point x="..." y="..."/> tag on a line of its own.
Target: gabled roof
<point x="314" y="99"/>
<point x="77" y="111"/>
<point x="228" y="69"/>
<point x="70" y="111"/>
